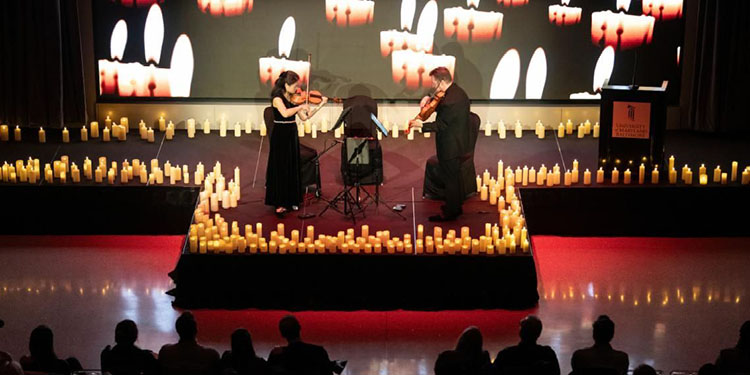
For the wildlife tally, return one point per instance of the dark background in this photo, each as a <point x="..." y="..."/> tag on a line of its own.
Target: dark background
<point x="227" y="49"/>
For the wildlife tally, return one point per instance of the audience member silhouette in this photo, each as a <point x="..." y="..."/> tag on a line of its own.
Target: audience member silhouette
<point x="600" y="358"/>
<point x="187" y="357"/>
<point x="298" y="357"/>
<point x="241" y="359"/>
<point x="125" y="358"/>
<point x="468" y="358"/>
<point x="708" y="369"/>
<point x="644" y="369"/>
<point x="8" y="366"/>
<point x="42" y="356"/>
<point x="528" y="357"/>
<point x="736" y="360"/>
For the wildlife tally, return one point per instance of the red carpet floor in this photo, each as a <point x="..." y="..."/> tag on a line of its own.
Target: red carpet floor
<point x="676" y="302"/>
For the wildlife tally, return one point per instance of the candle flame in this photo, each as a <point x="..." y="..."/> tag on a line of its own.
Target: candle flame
<point x="119" y="40"/>
<point x="181" y="67"/>
<point x="153" y="34"/>
<point x="623" y="5"/>
<point x="536" y="75"/>
<point x="604" y="67"/>
<point x="408" y="8"/>
<point x="472" y="4"/>
<point x="506" y="76"/>
<point x="286" y="37"/>
<point x="565" y="2"/>
<point x="427" y="25"/>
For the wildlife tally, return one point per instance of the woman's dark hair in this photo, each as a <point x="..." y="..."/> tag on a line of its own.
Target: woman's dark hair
<point x="289" y="77"/>
<point x="242" y="344"/>
<point x="470" y="341"/>
<point x="40" y="343"/>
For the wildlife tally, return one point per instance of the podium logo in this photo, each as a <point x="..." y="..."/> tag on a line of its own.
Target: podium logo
<point x="631" y="120"/>
<point x="631" y="112"/>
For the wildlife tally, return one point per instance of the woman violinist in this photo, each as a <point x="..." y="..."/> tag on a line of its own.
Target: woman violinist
<point x="283" y="179"/>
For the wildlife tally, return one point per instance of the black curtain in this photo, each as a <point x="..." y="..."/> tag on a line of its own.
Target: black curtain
<point x="720" y="77"/>
<point x="41" y="74"/>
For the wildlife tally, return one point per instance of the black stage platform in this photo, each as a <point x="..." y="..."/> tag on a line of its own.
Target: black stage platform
<point x="398" y="281"/>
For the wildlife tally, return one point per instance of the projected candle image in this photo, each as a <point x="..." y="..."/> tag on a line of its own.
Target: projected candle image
<point x="413" y="66"/>
<point x="621" y="31"/>
<point x="663" y="9"/>
<point x="271" y="67"/>
<point x="507" y="74"/>
<point x="350" y="12"/>
<point x="472" y="25"/>
<point x="139" y="3"/>
<point x="135" y="79"/>
<point x="564" y="15"/>
<point x="512" y="3"/>
<point x="602" y="72"/>
<point x="228" y="8"/>
<point x="403" y="39"/>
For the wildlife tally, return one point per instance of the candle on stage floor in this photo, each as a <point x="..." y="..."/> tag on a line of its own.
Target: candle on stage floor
<point x="65" y="135"/>
<point x="264" y="130"/>
<point x="671" y="163"/>
<point x="105" y="135"/>
<point x="581" y="131"/>
<point x="162" y="124"/>
<point x="745" y="177"/>
<point x="574" y="175"/>
<point x="569" y="127"/>
<point x="486" y="177"/>
<point x="170" y="131"/>
<point x="615" y="175"/>
<point x="488" y="129"/>
<point x="149" y="135"/>
<point x="314" y="132"/>
<point x="237" y="129"/>
<point x="655" y="175"/>
<point x="689" y="177"/>
<point x="483" y="193"/>
<point x="734" y="171"/>
<point x="519" y="129"/>
<point x="4" y="132"/>
<point x="587" y="177"/>
<point x="673" y="176"/>
<point x="724" y="178"/>
<point x="111" y="177"/>
<point x="561" y="131"/>
<point x="42" y="135"/>
<point x="596" y="130"/>
<point x="107" y="122"/>
<point x="206" y="127"/>
<point x="703" y="179"/>
<point x="190" y="127"/>
<point x="717" y="174"/>
<point x="702" y="169"/>
<point x="600" y="176"/>
<point x="84" y="134"/>
<point x="223" y="127"/>
<point x="123" y="134"/>
<point x="627" y="176"/>
<point x="501" y="130"/>
<point x="641" y="174"/>
<point x="568" y="178"/>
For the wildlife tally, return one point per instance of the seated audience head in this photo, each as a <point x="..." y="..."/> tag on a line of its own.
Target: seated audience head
<point x="242" y="343"/>
<point x="126" y="333"/>
<point x="745" y="334"/>
<point x="470" y="341"/>
<point x="40" y="343"/>
<point x="644" y="369"/>
<point x="186" y="327"/>
<point x="531" y="329"/>
<point x="604" y="330"/>
<point x="290" y="328"/>
<point x="708" y="369"/>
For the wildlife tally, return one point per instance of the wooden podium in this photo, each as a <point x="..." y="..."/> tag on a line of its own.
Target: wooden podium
<point x="633" y="120"/>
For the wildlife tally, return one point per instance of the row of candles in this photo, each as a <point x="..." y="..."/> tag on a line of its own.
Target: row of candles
<point x="213" y="234"/>
<point x="120" y="131"/>
<point x="490" y="187"/>
<point x="583" y="129"/>
<point x="63" y="170"/>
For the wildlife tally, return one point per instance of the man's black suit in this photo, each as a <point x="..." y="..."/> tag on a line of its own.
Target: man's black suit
<point x="451" y="141"/>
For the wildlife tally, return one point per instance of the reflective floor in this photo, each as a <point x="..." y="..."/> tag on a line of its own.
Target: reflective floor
<point x="676" y="302"/>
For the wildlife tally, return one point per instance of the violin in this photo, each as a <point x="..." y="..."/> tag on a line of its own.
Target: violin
<point x="313" y="97"/>
<point x="429" y="108"/>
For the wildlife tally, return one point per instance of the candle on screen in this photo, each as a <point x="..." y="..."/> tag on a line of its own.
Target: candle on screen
<point x="42" y="135"/>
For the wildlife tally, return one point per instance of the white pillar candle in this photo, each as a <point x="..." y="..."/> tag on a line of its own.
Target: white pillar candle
<point x="84" y="134"/>
<point x="655" y="176"/>
<point x="501" y="130"/>
<point x="518" y="129"/>
<point x="561" y="131"/>
<point x="596" y="130"/>
<point x="724" y="178"/>
<point x="223" y="127"/>
<point x="237" y="129"/>
<point x="105" y="135"/>
<point x="107" y="122"/>
<point x="581" y="131"/>
<point x="42" y="135"/>
<point x="65" y="135"/>
<point x="615" y="175"/>
<point x="488" y="129"/>
<point x="587" y="177"/>
<point x="600" y="176"/>
<point x="162" y="124"/>
<point x="124" y="122"/>
<point x="263" y="129"/>
<point x="717" y="174"/>
<point x="574" y="176"/>
<point x="248" y="126"/>
<point x="569" y="127"/>
<point x="641" y="174"/>
<point x="150" y="135"/>
<point x="206" y="127"/>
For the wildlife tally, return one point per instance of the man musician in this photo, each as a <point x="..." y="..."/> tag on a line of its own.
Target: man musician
<point x="452" y="139"/>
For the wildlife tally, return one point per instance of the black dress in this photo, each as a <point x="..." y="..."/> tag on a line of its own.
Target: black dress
<point x="283" y="180"/>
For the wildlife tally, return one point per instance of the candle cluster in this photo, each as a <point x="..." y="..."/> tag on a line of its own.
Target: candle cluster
<point x="213" y="234"/>
<point x="216" y="190"/>
<point x="583" y="129"/>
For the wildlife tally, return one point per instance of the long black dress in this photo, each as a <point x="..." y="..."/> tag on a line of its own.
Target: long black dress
<point x="283" y="180"/>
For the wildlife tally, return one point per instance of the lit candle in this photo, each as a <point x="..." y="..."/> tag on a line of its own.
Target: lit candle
<point x="105" y="135"/>
<point x="724" y="178"/>
<point x="206" y="127"/>
<point x="107" y="122"/>
<point x="501" y="130"/>
<point x="734" y="170"/>
<point x="84" y="134"/>
<point x="574" y="175"/>
<point x="532" y="175"/>
<point x="223" y="127"/>
<point x="525" y="176"/>
<point x="587" y="177"/>
<point x="170" y="131"/>
<point x="703" y="179"/>
<point x="17" y="135"/>
<point x="65" y="135"/>
<point x="150" y="135"/>
<point x="641" y="174"/>
<point x="42" y="135"/>
<point x="627" y="177"/>
<point x="162" y="124"/>
<point x="4" y="133"/>
<point x="314" y="132"/>
<point x="479" y="183"/>
<point x="689" y="177"/>
<point x="581" y="131"/>
<point x="672" y="176"/>
<point x="486" y="177"/>
<point x="671" y="163"/>
<point x="519" y="129"/>
<point x="488" y="129"/>
<point x="600" y="176"/>
<point x="596" y="130"/>
<point x="655" y="176"/>
<point x="615" y="175"/>
<point x="717" y="174"/>
<point x="264" y="130"/>
<point x="561" y="131"/>
<point x="124" y="123"/>
<point x="568" y="178"/>
<point x="569" y="127"/>
<point x="702" y="169"/>
<point x="745" y="177"/>
<point x="191" y="128"/>
<point x="483" y="193"/>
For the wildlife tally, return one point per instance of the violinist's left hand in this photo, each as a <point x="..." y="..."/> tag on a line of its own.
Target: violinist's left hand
<point x="415" y="123"/>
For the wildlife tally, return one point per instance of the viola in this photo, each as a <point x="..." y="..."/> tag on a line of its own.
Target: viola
<point x="429" y="108"/>
<point x="314" y="96"/>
